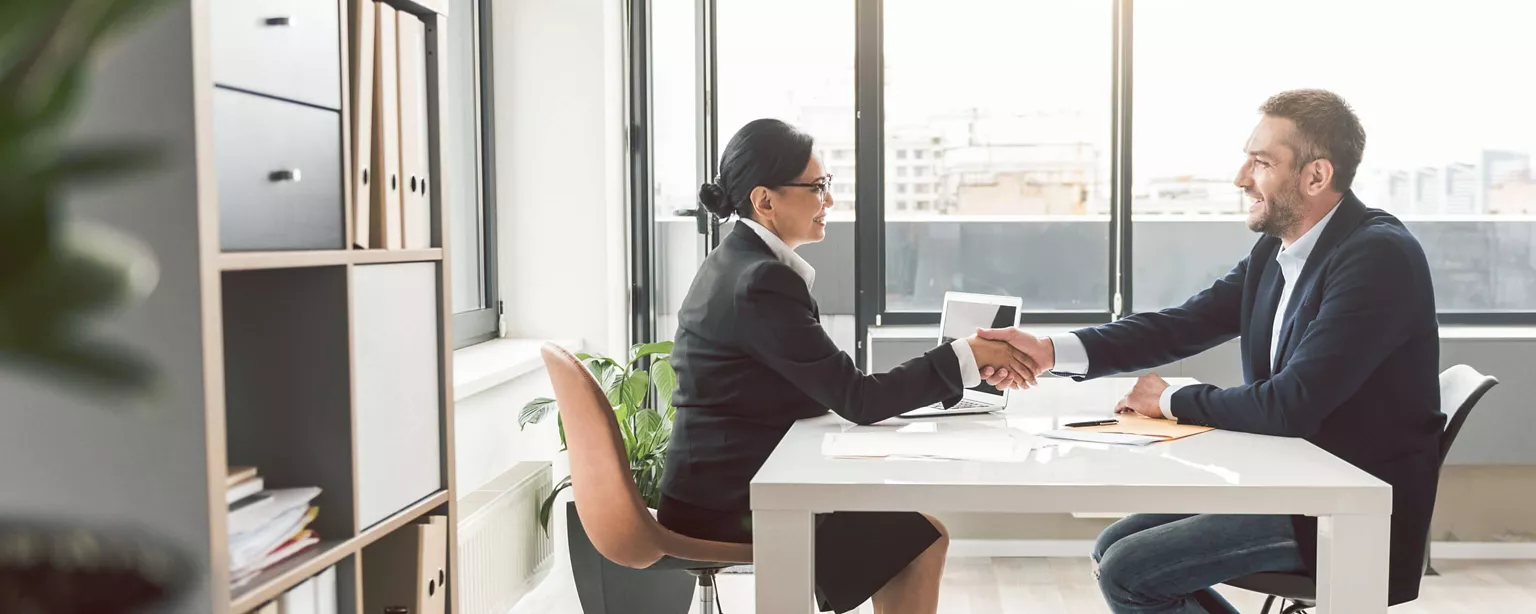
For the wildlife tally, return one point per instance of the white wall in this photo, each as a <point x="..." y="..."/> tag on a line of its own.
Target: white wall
<point x="560" y="169"/>
<point x="71" y="458"/>
<point x="561" y="218"/>
<point x="487" y="441"/>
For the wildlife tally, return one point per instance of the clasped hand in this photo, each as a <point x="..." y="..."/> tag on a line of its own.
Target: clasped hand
<point x="1011" y="358"/>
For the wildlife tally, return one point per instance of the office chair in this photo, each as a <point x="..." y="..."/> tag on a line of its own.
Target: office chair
<point x="615" y="518"/>
<point x="1461" y="387"/>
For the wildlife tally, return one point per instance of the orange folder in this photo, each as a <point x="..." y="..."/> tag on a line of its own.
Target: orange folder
<point x="1137" y="424"/>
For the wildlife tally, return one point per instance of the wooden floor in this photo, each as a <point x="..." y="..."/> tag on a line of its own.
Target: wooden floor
<point x="1020" y="586"/>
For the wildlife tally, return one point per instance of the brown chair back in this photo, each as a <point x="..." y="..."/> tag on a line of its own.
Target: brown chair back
<point x="611" y="510"/>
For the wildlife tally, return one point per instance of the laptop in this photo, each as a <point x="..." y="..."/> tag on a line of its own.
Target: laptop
<point x="963" y="314"/>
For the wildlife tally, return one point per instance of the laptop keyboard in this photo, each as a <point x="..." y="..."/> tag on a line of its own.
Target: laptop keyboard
<point x="964" y="404"/>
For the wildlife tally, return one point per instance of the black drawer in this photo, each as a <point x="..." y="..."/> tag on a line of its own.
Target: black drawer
<point x="285" y="48"/>
<point x="279" y="166"/>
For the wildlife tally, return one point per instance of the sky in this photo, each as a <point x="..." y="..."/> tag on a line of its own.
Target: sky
<point x="1432" y="82"/>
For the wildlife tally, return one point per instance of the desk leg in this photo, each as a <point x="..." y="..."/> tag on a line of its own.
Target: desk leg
<point x="784" y="561"/>
<point x="1352" y="563"/>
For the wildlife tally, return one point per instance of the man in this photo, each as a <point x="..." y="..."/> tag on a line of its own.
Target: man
<point x="1340" y="346"/>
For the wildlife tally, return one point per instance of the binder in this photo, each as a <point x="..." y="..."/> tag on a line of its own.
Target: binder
<point x="325" y="592"/>
<point x="299" y="599"/>
<point x="408" y="568"/>
<point x="415" y="206"/>
<point x="363" y="20"/>
<point x="432" y="567"/>
<point x="386" y="135"/>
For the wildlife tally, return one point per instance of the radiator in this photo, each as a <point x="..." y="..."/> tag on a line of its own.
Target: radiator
<point x="503" y="552"/>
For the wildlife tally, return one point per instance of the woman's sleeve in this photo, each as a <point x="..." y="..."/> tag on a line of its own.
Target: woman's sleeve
<point x="780" y="329"/>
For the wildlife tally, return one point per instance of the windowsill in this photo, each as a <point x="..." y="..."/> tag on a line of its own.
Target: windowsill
<point x="483" y="366"/>
<point x="1460" y="332"/>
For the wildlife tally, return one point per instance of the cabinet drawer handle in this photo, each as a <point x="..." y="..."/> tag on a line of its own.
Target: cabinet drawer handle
<point x="279" y="21"/>
<point x="289" y="174"/>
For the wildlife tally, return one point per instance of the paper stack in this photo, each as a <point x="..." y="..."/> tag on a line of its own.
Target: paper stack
<point x="267" y="528"/>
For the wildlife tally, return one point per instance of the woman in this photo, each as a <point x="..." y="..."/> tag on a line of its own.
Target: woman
<point x="752" y="358"/>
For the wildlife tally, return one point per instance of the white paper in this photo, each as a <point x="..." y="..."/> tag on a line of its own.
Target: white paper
<point x="273" y="504"/>
<point x="979" y="446"/>
<point x="1097" y="437"/>
<point x="248" y="548"/>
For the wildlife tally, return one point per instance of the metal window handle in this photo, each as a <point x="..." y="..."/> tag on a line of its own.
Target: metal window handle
<point x="279" y="21"/>
<point x="287" y="174"/>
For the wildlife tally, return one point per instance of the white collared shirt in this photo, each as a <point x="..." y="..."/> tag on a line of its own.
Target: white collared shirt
<point x="1072" y="357"/>
<point x="970" y="374"/>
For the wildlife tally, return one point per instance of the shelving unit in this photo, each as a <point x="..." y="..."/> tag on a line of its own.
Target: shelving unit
<point x="307" y="350"/>
<point x="248" y="261"/>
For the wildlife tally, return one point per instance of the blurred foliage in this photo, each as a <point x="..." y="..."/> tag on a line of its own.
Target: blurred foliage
<point x="56" y="275"/>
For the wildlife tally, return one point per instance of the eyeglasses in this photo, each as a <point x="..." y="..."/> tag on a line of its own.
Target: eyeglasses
<point x="822" y="187"/>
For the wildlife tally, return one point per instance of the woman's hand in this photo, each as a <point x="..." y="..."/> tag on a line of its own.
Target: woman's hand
<point x="1001" y="356"/>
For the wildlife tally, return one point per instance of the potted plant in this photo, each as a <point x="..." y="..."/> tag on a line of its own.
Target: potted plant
<point x="57" y="276"/>
<point x="642" y="404"/>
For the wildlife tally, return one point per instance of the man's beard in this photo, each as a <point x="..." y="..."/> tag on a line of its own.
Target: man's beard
<point x="1282" y="213"/>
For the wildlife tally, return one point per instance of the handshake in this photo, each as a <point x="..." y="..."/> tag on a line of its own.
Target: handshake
<point x="1011" y="358"/>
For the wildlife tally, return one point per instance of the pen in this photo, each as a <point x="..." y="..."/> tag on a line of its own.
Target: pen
<point x="1106" y="422"/>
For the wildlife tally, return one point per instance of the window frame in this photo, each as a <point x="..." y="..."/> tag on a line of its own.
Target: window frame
<point x="480" y="325"/>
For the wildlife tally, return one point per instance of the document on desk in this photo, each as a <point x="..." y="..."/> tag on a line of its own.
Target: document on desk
<point x="1098" y="437"/>
<point x="988" y="447"/>
<point x="1132" y="429"/>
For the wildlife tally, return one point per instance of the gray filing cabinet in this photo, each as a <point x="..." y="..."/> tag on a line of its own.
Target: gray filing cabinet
<point x="277" y="124"/>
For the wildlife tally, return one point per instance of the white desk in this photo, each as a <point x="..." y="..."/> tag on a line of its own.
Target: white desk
<point x="1215" y="472"/>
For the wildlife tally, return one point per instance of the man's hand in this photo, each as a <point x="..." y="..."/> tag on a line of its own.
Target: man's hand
<point x="1145" y="397"/>
<point x="999" y="357"/>
<point x="1040" y="350"/>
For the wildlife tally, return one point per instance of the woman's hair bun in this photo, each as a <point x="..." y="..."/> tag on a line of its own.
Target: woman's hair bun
<point x="712" y="197"/>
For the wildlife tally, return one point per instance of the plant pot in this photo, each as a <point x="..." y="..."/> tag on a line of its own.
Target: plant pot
<point x="605" y="587"/>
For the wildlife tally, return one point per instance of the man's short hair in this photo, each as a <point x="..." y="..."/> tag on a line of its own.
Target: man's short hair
<point x="1326" y="129"/>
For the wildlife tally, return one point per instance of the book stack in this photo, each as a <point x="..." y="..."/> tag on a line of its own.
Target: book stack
<point x="266" y="527"/>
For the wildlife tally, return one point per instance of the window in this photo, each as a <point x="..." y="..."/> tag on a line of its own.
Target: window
<point x="819" y="65"/>
<point x="1018" y="95"/>
<point x="996" y="144"/>
<point x="1453" y="161"/>
<point x="809" y="84"/>
<point x="469" y="167"/>
<point x="675" y="249"/>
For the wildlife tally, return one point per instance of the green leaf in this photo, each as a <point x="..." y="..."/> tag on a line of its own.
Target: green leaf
<point x="548" y="506"/>
<point x="535" y="411"/>
<point x="99" y="162"/>
<point x="647" y="424"/>
<point x="635" y="388"/>
<point x="647" y="349"/>
<point x="560" y="420"/>
<point x="665" y="380"/>
<point x="590" y="358"/>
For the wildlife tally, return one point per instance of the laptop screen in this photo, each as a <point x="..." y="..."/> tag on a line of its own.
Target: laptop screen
<point x="962" y="318"/>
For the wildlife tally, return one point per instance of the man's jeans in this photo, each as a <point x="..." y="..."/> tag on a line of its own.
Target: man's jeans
<point x="1167" y="563"/>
